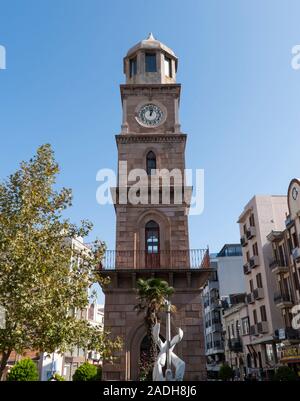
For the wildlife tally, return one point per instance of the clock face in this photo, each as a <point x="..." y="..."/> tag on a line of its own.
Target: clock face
<point x="150" y="115"/>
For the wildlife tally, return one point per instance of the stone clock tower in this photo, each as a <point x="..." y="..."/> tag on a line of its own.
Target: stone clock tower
<point x="152" y="237"/>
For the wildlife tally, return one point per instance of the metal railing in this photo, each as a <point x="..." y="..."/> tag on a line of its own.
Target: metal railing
<point x="235" y="345"/>
<point x="282" y="297"/>
<point x="176" y="259"/>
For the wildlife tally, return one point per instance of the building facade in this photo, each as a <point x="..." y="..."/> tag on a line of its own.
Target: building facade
<point x="285" y="266"/>
<point x="152" y="237"/>
<point x="261" y="215"/>
<point x="228" y="279"/>
<point x="236" y="326"/>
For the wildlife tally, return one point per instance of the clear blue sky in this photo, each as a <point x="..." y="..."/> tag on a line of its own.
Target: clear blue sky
<point x="239" y="106"/>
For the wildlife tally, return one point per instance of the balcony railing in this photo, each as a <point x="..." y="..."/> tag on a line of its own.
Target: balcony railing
<point x="282" y="299"/>
<point x="278" y="266"/>
<point x="247" y="268"/>
<point x="262" y="327"/>
<point x="250" y="298"/>
<point x="253" y="330"/>
<point x="176" y="259"/>
<point x="244" y="240"/>
<point x="235" y="345"/>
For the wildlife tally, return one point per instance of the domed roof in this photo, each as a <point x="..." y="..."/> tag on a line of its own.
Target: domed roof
<point x="150" y="43"/>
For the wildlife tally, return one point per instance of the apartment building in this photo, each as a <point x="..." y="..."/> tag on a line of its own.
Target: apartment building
<point x="285" y="266"/>
<point x="236" y="326"/>
<point x="261" y="215"/>
<point x="225" y="281"/>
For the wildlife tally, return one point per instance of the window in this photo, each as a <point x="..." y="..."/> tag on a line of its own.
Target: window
<point x="232" y="330"/>
<point x="263" y="313"/>
<point x="255" y="249"/>
<point x="255" y="316"/>
<point x="247" y="256"/>
<point x="150" y="163"/>
<point x="245" y="326"/>
<point x="296" y="280"/>
<point x="244" y="228"/>
<point x="290" y="244"/>
<point x="132" y="67"/>
<point x="238" y="328"/>
<point x="259" y="281"/>
<point x="152" y="258"/>
<point x="251" y="285"/>
<point x="282" y="255"/>
<point x="168" y="67"/>
<point x="152" y="237"/>
<point x="251" y="220"/>
<point x="295" y="240"/>
<point x="150" y="62"/>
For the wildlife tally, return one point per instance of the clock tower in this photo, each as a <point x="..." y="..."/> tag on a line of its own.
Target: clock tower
<point x="152" y="226"/>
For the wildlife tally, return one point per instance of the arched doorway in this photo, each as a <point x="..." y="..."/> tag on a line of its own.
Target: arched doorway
<point x="152" y="245"/>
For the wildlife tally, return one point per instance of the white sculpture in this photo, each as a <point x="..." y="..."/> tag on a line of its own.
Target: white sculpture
<point x="166" y="355"/>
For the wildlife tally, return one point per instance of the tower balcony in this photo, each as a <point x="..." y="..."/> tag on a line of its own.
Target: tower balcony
<point x="175" y="259"/>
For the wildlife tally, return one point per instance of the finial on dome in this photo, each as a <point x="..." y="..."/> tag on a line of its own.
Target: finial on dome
<point x="150" y="36"/>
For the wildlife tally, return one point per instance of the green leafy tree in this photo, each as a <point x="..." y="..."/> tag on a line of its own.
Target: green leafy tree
<point x="226" y="372"/>
<point x="57" y="378"/>
<point x="86" y="372"/>
<point x="152" y="294"/>
<point x="285" y="373"/>
<point x="43" y="277"/>
<point x="24" y="370"/>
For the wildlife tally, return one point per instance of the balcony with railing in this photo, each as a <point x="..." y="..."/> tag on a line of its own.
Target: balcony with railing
<point x="244" y="240"/>
<point x="247" y="268"/>
<point x="175" y="259"/>
<point x="278" y="266"/>
<point x="250" y="298"/>
<point x="283" y="300"/>
<point x="253" y="330"/>
<point x="235" y="345"/>
<point x="262" y="327"/>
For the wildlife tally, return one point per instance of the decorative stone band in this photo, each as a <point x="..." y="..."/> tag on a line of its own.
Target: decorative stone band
<point x="146" y="89"/>
<point x="152" y="138"/>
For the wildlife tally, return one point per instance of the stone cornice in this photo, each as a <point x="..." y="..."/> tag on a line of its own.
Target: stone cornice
<point x="147" y="89"/>
<point x="151" y="138"/>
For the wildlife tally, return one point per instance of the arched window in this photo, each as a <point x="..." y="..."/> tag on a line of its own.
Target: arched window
<point x="152" y="244"/>
<point x="150" y="162"/>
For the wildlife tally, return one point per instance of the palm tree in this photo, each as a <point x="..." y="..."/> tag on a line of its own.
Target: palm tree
<point x="152" y="294"/>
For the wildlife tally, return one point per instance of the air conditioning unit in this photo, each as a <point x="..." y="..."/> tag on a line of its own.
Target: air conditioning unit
<point x="258" y="293"/>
